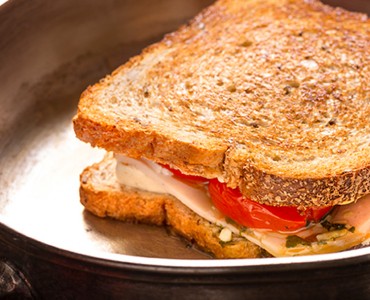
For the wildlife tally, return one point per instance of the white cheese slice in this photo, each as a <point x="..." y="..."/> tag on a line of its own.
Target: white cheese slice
<point x="149" y="176"/>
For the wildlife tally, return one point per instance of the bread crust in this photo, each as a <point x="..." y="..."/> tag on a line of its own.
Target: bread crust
<point x="268" y="96"/>
<point x="101" y="194"/>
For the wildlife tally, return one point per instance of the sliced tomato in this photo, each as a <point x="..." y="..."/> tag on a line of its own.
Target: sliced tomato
<point x="189" y="178"/>
<point x="255" y="215"/>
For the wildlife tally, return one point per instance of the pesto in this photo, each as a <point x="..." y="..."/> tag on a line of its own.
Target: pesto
<point x="294" y="240"/>
<point x="228" y="243"/>
<point x="231" y="222"/>
<point x="332" y="226"/>
<point x="242" y="229"/>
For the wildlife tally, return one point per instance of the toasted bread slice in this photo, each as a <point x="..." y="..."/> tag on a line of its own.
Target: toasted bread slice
<point x="271" y="96"/>
<point x="102" y="195"/>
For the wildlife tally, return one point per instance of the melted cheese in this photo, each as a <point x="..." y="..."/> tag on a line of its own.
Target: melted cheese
<point x="146" y="175"/>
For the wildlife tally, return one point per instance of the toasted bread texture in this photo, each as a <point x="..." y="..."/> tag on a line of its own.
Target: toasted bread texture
<point x="103" y="196"/>
<point x="269" y="96"/>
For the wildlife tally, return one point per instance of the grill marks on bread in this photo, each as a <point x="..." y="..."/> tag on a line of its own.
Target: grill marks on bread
<point x="248" y="91"/>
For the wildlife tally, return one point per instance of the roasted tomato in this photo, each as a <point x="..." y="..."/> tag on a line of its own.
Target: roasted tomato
<point x="255" y="215"/>
<point x="190" y="178"/>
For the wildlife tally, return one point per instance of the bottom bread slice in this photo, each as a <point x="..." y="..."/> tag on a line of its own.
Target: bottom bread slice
<point x="102" y="195"/>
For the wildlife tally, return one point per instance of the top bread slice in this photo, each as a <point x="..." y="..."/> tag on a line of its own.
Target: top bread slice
<point x="271" y="96"/>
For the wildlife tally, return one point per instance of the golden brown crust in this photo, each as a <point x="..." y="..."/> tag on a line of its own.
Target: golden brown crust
<point x="329" y="191"/>
<point x="103" y="196"/>
<point x="249" y="91"/>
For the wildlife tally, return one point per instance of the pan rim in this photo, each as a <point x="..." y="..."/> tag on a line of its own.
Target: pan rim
<point x="185" y="266"/>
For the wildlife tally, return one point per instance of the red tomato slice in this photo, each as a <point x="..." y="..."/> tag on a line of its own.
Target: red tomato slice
<point x="255" y="215"/>
<point x="190" y="178"/>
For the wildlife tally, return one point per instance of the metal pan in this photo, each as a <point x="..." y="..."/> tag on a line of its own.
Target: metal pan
<point x="49" y="247"/>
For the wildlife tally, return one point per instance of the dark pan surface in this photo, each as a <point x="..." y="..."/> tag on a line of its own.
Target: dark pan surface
<point x="50" y="51"/>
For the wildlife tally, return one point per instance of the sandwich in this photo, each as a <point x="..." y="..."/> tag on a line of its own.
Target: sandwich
<point x="246" y="131"/>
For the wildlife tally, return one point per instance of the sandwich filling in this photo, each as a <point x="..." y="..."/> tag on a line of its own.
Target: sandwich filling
<point x="324" y="230"/>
